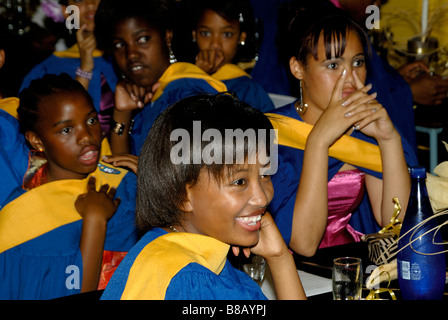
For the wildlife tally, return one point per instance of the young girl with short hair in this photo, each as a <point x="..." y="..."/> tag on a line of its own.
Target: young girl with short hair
<point x="139" y="37"/>
<point x="195" y="201"/>
<point x="72" y="220"/>
<point x="83" y="61"/>
<point x="224" y="32"/>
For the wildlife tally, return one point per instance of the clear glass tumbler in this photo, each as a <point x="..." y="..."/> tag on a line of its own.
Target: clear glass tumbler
<point x="347" y="278"/>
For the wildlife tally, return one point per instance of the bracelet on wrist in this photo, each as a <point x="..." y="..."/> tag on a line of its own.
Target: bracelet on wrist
<point x="84" y="74"/>
<point x="118" y="127"/>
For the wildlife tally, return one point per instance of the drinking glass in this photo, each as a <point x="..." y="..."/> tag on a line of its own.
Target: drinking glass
<point x="347" y="278"/>
<point x="255" y="268"/>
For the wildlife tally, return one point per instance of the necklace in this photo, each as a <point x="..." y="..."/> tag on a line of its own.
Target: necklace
<point x="173" y="229"/>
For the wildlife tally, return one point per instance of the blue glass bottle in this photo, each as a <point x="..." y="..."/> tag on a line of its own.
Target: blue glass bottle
<point x="420" y="277"/>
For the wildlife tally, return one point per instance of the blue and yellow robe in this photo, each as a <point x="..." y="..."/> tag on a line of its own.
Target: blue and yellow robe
<point x="40" y="232"/>
<point x="180" y="80"/>
<point x="179" y="266"/>
<point x="67" y="62"/>
<point x="246" y="88"/>
<point x="357" y="149"/>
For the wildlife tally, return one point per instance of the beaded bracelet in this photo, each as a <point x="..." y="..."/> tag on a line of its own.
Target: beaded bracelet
<point x="84" y="74"/>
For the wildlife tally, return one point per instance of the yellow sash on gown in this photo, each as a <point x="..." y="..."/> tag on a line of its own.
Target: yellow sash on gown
<point x="164" y="257"/>
<point x="294" y="133"/>
<point x="50" y="205"/>
<point x="180" y="70"/>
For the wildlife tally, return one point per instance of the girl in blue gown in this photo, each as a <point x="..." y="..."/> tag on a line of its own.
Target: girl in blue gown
<point x="139" y="35"/>
<point x="222" y="30"/>
<point x="195" y="201"/>
<point x="339" y="153"/>
<point x="72" y="219"/>
<point x="83" y="61"/>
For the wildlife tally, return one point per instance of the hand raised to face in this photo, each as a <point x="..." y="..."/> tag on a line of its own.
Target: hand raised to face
<point x="341" y="113"/>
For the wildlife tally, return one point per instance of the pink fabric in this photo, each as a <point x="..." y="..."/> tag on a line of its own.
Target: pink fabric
<point x="345" y="192"/>
<point x="106" y="106"/>
<point x="336" y="3"/>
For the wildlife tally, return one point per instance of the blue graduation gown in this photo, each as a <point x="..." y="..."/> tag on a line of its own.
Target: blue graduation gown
<point x="287" y="179"/>
<point x="40" y="232"/>
<point x="13" y="150"/>
<point x="68" y="61"/>
<point x="395" y="95"/>
<point x="245" y="87"/>
<point x="179" y="81"/>
<point x="179" y="266"/>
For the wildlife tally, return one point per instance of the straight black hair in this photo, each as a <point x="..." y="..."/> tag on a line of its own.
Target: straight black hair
<point x="161" y="183"/>
<point x="302" y="24"/>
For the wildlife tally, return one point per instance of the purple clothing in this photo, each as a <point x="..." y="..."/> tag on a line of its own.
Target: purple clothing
<point x="107" y="104"/>
<point x="345" y="193"/>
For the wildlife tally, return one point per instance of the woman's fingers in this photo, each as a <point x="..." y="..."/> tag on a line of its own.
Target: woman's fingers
<point x="139" y="95"/>
<point x="112" y="192"/>
<point x="338" y="88"/>
<point x="91" y="183"/>
<point x="365" y="99"/>
<point x="104" y="188"/>
<point x="123" y="160"/>
<point x="359" y="94"/>
<point x="365" y="114"/>
<point x="358" y="83"/>
<point x="236" y="251"/>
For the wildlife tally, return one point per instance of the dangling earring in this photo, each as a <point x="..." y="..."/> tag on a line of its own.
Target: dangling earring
<point x="301" y="109"/>
<point x="242" y="42"/>
<point x="172" y="56"/>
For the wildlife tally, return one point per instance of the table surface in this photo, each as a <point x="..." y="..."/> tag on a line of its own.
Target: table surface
<point x="321" y="264"/>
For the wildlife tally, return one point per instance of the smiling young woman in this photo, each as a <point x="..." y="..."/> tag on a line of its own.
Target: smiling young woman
<point x="193" y="213"/>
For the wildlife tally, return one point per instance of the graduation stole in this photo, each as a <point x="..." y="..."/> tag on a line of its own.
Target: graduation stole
<point x="294" y="133"/>
<point x="229" y="71"/>
<point x="73" y="52"/>
<point x="181" y="70"/>
<point x="50" y="205"/>
<point x="164" y="257"/>
<point x="10" y="105"/>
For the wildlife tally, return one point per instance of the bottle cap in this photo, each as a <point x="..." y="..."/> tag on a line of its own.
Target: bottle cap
<point x="418" y="172"/>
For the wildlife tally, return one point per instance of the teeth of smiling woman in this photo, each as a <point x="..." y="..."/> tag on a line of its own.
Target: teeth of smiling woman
<point x="88" y="155"/>
<point x="136" y="68"/>
<point x="250" y="220"/>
